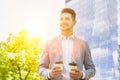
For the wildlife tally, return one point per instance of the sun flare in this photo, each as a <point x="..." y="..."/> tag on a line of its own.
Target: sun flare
<point x="46" y="23"/>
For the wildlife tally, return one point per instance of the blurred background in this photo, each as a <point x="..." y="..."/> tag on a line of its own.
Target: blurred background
<point x="24" y="27"/>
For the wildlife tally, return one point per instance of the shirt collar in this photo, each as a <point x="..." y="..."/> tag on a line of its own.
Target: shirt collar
<point x="70" y="37"/>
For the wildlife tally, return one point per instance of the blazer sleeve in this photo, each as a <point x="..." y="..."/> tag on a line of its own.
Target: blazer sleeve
<point x="43" y="69"/>
<point x="88" y="63"/>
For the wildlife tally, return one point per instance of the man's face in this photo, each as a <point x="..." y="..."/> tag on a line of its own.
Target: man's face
<point x="66" y="21"/>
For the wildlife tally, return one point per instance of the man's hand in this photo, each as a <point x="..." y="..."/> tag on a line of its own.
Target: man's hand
<point x="55" y="72"/>
<point x="76" y="74"/>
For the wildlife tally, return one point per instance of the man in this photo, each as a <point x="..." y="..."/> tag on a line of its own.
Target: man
<point x="66" y="48"/>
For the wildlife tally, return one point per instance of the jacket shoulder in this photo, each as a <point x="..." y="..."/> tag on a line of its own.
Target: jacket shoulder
<point x="53" y="40"/>
<point x="80" y="40"/>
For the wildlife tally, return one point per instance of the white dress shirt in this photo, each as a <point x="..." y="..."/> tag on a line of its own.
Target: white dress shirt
<point x="67" y="47"/>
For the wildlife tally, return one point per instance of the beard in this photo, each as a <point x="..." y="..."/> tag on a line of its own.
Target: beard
<point x="64" y="26"/>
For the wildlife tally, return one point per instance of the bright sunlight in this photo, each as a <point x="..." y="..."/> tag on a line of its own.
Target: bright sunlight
<point x="23" y="24"/>
<point x="39" y="17"/>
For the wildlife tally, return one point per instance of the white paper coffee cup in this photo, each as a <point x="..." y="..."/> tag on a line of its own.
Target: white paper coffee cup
<point x="59" y="64"/>
<point x="72" y="66"/>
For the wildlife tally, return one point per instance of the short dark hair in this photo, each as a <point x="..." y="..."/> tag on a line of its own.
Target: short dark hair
<point x="69" y="10"/>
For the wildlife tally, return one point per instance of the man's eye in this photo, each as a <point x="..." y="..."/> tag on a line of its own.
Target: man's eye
<point x="67" y="18"/>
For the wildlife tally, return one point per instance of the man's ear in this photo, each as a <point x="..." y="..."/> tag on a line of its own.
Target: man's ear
<point x="75" y="22"/>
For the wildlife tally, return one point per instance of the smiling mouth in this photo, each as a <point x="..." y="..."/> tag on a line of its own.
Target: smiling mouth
<point x="63" y="26"/>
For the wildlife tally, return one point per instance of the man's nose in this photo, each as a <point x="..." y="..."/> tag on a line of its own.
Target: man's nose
<point x="63" y="21"/>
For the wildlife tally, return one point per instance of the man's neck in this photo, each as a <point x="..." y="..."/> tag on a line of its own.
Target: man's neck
<point x="66" y="34"/>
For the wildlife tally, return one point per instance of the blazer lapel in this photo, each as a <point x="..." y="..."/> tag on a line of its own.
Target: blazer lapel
<point x="60" y="48"/>
<point x="73" y="56"/>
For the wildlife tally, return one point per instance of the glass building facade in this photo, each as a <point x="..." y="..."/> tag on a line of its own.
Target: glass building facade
<point x="97" y="23"/>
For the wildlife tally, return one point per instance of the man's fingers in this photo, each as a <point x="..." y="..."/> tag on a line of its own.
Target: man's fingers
<point x="74" y="76"/>
<point x="56" y="71"/>
<point x="75" y="73"/>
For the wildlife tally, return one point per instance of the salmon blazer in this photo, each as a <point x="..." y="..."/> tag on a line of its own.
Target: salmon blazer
<point x="53" y="52"/>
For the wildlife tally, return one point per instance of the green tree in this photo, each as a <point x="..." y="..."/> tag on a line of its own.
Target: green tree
<point x="3" y="61"/>
<point x="20" y="57"/>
